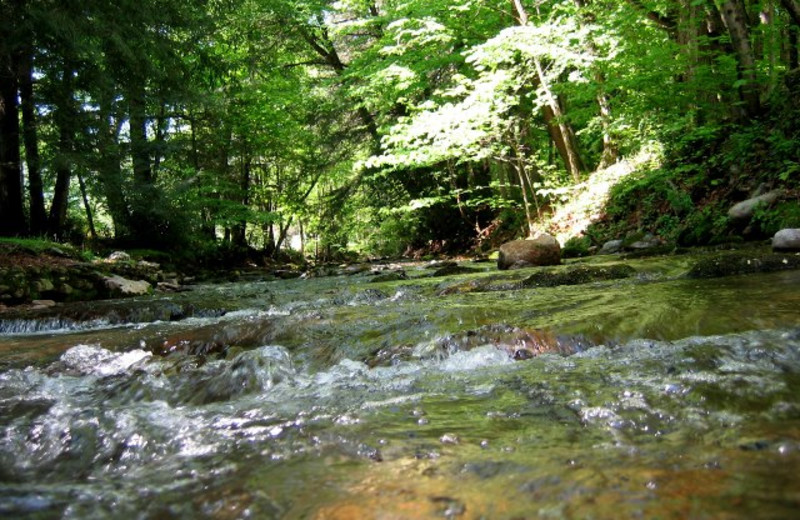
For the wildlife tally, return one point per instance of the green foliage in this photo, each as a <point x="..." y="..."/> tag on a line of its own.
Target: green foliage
<point x="37" y="245"/>
<point x="576" y="247"/>
<point x="783" y="215"/>
<point x="387" y="125"/>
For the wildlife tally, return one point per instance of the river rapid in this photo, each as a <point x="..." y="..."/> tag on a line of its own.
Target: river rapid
<point x="655" y="396"/>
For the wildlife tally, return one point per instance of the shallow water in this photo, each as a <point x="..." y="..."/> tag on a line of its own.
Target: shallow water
<point x="651" y="397"/>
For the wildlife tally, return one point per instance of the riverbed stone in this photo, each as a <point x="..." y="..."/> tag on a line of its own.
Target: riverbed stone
<point x="543" y="250"/>
<point x="43" y="285"/>
<point x="611" y="247"/>
<point x="744" y="210"/>
<point x="393" y="276"/>
<point x="439" y="264"/>
<point x="647" y="241"/>
<point x="452" y="270"/>
<point x="742" y="262"/>
<point x="578" y="275"/>
<point x="786" y="240"/>
<point x="119" y="256"/>
<point x="119" y="286"/>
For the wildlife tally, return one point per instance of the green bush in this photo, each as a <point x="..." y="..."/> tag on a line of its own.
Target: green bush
<point x="770" y="220"/>
<point x="576" y="247"/>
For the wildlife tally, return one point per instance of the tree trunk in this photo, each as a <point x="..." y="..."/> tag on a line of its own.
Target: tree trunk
<point x="610" y="146"/>
<point x="770" y="46"/>
<point x="564" y="139"/>
<point x="140" y="149"/>
<point x="110" y="168"/>
<point x="735" y="20"/>
<point x="87" y="206"/>
<point x="38" y="216"/>
<point x="63" y="168"/>
<point x="793" y="7"/>
<point x="282" y="233"/>
<point x="240" y="229"/>
<point x="560" y="131"/>
<point x="302" y="239"/>
<point x="794" y="56"/>
<point x="12" y="215"/>
<point x="323" y="46"/>
<point x="62" y="164"/>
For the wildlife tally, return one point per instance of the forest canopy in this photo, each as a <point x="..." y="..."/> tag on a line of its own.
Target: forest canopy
<point x="373" y="125"/>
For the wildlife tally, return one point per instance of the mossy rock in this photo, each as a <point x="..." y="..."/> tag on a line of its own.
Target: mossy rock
<point x="390" y="277"/>
<point x="665" y="249"/>
<point x="452" y="270"/>
<point x="742" y="262"/>
<point x="578" y="275"/>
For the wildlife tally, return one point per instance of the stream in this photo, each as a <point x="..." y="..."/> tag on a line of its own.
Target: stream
<point x="654" y="396"/>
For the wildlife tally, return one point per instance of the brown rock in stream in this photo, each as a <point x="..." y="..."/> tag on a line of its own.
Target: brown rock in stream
<point x="544" y="250"/>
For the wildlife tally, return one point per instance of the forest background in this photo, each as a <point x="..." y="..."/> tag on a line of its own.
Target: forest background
<point x="392" y="127"/>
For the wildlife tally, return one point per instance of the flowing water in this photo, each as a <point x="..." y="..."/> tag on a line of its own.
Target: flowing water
<point x="335" y="398"/>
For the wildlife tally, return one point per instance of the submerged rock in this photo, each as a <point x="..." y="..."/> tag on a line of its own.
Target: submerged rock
<point x="786" y="240"/>
<point x="519" y="344"/>
<point x="729" y="264"/>
<point x="393" y="276"/>
<point x="452" y="270"/>
<point x="544" y="250"/>
<point x="578" y="275"/>
<point x="441" y="264"/>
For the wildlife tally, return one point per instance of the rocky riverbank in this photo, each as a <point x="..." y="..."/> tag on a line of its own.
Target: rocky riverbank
<point x="42" y="278"/>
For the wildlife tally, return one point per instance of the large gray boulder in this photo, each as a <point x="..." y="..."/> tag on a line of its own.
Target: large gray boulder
<point x="786" y="240"/>
<point x="744" y="210"/>
<point x="118" y="286"/>
<point x="544" y="250"/>
<point x="611" y="247"/>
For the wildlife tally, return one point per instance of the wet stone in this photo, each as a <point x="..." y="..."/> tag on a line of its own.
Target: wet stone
<point x="441" y="264"/>
<point x="393" y="276"/>
<point x="735" y="263"/>
<point x="490" y="469"/>
<point x="578" y="275"/>
<point x="452" y="270"/>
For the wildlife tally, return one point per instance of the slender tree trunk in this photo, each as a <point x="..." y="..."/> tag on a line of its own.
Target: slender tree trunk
<point x="63" y="169"/>
<point x="517" y="163"/>
<point x="109" y="168"/>
<point x="87" y="206"/>
<point x="610" y="146"/>
<point x="282" y="233"/>
<point x="793" y="7"/>
<point x="564" y="140"/>
<point x="12" y="216"/>
<point x="38" y="216"/>
<point x="302" y="238"/>
<point x="65" y="121"/>
<point x="794" y="55"/>
<point x="207" y="224"/>
<point x="160" y="138"/>
<point x="770" y="46"/>
<point x="735" y="20"/>
<point x="568" y="148"/>
<point x="140" y="149"/>
<point x="240" y="229"/>
<point x="322" y="45"/>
